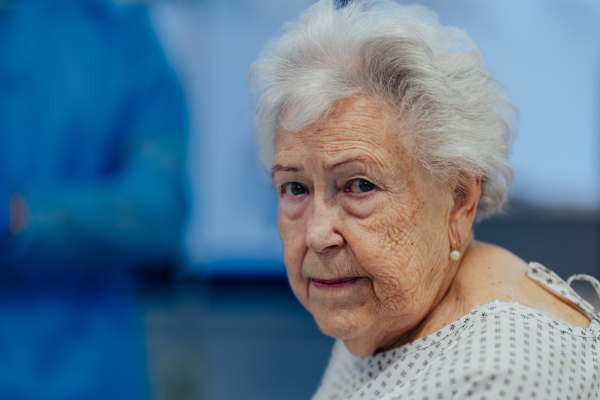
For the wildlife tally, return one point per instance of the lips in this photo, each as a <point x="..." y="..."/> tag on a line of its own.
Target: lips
<point x="334" y="283"/>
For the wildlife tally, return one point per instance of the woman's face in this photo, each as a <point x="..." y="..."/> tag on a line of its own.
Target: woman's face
<point x="364" y="229"/>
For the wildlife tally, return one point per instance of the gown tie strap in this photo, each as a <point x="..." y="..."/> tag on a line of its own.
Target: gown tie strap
<point x="587" y="278"/>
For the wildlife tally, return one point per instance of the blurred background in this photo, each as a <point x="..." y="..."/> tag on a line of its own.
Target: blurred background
<point x="139" y="255"/>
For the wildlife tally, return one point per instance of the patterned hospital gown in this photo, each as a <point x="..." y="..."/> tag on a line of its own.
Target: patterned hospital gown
<point x="498" y="351"/>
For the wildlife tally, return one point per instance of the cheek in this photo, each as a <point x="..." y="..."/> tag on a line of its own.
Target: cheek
<point x="292" y="207"/>
<point x="294" y="250"/>
<point x="360" y="208"/>
<point x="393" y="248"/>
<point x="392" y="227"/>
<point x="382" y="245"/>
<point x="290" y="216"/>
<point x="291" y="231"/>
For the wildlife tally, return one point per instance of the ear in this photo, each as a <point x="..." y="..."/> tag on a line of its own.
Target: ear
<point x="466" y="196"/>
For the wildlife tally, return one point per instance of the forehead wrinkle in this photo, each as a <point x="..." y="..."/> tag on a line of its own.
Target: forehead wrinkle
<point x="358" y="159"/>
<point x="359" y="124"/>
<point x="353" y="114"/>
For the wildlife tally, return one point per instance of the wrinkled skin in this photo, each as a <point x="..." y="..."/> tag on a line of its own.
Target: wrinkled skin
<point x="393" y="237"/>
<point x="367" y="236"/>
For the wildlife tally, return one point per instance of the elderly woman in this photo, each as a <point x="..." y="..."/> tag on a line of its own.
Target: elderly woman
<point x="387" y="137"/>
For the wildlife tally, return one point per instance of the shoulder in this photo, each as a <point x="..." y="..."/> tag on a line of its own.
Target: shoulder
<point x="491" y="273"/>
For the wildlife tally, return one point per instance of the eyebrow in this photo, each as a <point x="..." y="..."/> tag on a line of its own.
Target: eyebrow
<point x="282" y="168"/>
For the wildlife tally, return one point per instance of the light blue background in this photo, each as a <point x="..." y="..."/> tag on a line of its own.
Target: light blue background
<point x="546" y="53"/>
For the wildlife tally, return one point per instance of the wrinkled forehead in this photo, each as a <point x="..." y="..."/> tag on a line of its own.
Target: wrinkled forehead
<point x="357" y="121"/>
<point x="358" y="129"/>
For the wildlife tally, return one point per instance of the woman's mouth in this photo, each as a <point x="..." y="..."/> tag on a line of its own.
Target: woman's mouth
<point x="334" y="283"/>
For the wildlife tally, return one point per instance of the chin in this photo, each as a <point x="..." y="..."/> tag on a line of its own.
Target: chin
<point x="346" y="326"/>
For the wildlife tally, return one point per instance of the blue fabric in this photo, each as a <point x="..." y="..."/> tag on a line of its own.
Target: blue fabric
<point x="92" y="134"/>
<point x="4" y="209"/>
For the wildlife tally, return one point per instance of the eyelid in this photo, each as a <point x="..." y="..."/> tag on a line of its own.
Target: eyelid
<point x="283" y="188"/>
<point x="348" y="185"/>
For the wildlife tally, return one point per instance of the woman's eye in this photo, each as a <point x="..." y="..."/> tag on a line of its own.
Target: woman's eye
<point x="361" y="186"/>
<point x="294" y="189"/>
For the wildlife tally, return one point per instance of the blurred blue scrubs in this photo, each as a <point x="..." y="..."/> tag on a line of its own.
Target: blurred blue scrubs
<point x="92" y="136"/>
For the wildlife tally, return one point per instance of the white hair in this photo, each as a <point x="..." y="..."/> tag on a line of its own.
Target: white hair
<point x="457" y="121"/>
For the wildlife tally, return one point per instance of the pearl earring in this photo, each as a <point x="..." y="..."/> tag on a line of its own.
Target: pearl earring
<point x="454" y="254"/>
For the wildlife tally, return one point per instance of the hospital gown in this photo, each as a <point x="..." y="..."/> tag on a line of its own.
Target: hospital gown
<point x="498" y="351"/>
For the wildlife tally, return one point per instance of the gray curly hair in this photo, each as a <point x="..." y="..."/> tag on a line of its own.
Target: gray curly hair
<point x="458" y="120"/>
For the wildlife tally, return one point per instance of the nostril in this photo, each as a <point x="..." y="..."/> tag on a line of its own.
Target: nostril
<point x="338" y="243"/>
<point x="322" y="231"/>
<point x="325" y="240"/>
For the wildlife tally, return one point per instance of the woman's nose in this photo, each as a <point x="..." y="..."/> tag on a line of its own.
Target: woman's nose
<point x="323" y="227"/>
